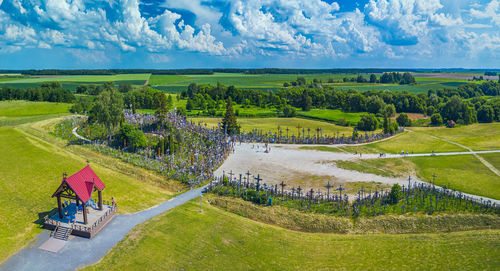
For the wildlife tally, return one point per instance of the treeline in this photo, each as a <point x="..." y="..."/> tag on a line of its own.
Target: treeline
<point x="450" y="104"/>
<point x="47" y="92"/>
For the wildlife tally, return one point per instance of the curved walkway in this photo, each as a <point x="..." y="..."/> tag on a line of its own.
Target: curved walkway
<point x="79" y="136"/>
<point x="80" y="252"/>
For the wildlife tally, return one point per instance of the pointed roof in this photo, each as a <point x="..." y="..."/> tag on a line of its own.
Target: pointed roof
<point x="82" y="183"/>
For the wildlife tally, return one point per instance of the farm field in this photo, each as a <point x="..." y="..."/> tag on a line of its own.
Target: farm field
<point x="73" y="81"/>
<point x="271" y="124"/>
<point x="183" y="238"/>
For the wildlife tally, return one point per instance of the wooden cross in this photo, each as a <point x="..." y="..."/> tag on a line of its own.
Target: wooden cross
<point x="248" y="177"/>
<point x="298" y="190"/>
<point x="311" y="192"/>
<point x="433" y="178"/>
<point x="231" y="175"/>
<point x="282" y="184"/>
<point x="409" y="181"/>
<point x="293" y="191"/>
<point x="328" y="186"/>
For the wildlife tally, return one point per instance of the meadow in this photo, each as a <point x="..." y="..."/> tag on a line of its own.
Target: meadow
<point x="25" y="108"/>
<point x="184" y="238"/>
<point x="271" y="124"/>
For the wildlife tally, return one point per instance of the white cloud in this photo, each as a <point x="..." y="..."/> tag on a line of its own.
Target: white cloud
<point x="491" y="11"/>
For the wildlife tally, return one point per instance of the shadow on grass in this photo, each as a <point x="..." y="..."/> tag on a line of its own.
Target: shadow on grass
<point x="41" y="217"/>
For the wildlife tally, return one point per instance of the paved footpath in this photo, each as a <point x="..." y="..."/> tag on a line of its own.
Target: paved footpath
<point x="80" y="252"/>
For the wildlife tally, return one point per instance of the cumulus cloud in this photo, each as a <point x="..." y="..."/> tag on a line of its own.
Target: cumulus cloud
<point x="271" y="29"/>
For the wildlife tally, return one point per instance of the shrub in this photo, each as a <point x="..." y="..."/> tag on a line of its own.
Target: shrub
<point x="436" y="119"/>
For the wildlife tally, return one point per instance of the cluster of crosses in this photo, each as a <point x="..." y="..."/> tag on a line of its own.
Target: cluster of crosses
<point x="194" y="161"/>
<point x="306" y="136"/>
<point x="414" y="197"/>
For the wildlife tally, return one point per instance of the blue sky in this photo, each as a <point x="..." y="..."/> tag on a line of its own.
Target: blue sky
<point x="172" y="34"/>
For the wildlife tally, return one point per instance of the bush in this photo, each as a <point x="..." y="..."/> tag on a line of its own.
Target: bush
<point x="368" y="123"/>
<point x="395" y="194"/>
<point x="403" y="120"/>
<point x="436" y="119"/>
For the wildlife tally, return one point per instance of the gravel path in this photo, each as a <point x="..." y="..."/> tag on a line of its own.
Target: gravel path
<point x="80" y="252"/>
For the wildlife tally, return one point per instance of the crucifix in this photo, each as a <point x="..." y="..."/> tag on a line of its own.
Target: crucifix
<point x="293" y="192"/>
<point x="248" y="177"/>
<point x="328" y="186"/>
<point x="258" y="179"/>
<point x="239" y="183"/>
<point x="311" y="193"/>
<point x="340" y="189"/>
<point x="433" y="179"/>
<point x="298" y="190"/>
<point x="230" y="175"/>
<point x="282" y="184"/>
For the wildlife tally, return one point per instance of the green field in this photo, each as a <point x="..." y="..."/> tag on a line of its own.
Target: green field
<point x="333" y="115"/>
<point x="86" y="78"/>
<point x="25" y="108"/>
<point x="184" y="239"/>
<point x="271" y="124"/>
<point x="177" y="83"/>
<point x="461" y="172"/>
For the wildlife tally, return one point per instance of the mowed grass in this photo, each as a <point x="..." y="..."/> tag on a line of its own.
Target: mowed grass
<point x="184" y="239"/>
<point x="410" y="142"/>
<point x="479" y="136"/>
<point x="25" y="108"/>
<point x="31" y="170"/>
<point x="331" y="115"/>
<point x="460" y="172"/>
<point x="271" y="124"/>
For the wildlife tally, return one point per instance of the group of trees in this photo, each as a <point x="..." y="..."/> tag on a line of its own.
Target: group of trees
<point x="466" y="104"/>
<point x="48" y="92"/>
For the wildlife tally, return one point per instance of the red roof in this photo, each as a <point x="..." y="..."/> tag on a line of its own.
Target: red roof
<point x="83" y="182"/>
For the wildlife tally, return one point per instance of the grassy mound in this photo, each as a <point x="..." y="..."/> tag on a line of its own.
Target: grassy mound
<point x="393" y="224"/>
<point x="182" y="238"/>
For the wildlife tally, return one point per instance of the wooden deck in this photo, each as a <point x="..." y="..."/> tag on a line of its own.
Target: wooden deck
<point x="97" y="219"/>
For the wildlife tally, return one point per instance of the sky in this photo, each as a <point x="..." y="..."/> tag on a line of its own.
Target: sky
<point x="175" y="34"/>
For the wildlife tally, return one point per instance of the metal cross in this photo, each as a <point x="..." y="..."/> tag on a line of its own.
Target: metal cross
<point x="258" y="179"/>
<point x="282" y="184"/>
<point x="340" y="189"/>
<point x="298" y="190"/>
<point x="328" y="186"/>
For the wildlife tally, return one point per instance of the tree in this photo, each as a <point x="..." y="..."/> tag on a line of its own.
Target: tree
<point x="162" y="108"/>
<point x="229" y="123"/>
<point x="108" y="109"/>
<point x="374" y="104"/>
<point x="395" y="194"/>
<point x="373" y="78"/>
<point x="403" y="120"/>
<point x="123" y="87"/>
<point x="189" y="105"/>
<point x="306" y="101"/>
<point x="288" y="111"/>
<point x="436" y="119"/>
<point x="135" y="138"/>
<point x="389" y="110"/>
<point x="368" y="123"/>
<point x="486" y="113"/>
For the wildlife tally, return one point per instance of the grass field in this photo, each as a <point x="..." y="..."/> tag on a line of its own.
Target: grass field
<point x="86" y="78"/>
<point x="271" y="124"/>
<point x="461" y="172"/>
<point x="479" y="136"/>
<point x="25" y="108"/>
<point x="184" y="239"/>
<point x="331" y="115"/>
<point x="408" y="141"/>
